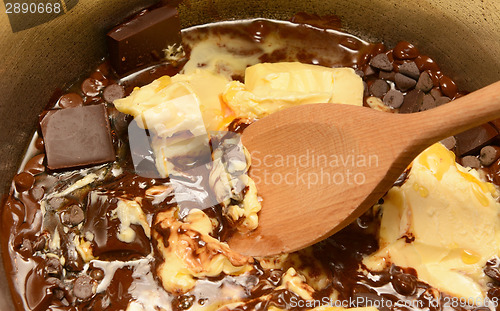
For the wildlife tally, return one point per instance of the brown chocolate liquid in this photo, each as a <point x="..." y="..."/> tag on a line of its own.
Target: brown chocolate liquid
<point x="125" y="271"/>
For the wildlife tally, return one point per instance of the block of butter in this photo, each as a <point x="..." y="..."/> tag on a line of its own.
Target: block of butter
<point x="270" y="87"/>
<point x="443" y="222"/>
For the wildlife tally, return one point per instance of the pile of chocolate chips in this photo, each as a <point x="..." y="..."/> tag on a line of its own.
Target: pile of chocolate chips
<point x="408" y="82"/>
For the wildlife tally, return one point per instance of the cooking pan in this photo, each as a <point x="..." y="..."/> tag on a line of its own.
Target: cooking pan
<point x="41" y="51"/>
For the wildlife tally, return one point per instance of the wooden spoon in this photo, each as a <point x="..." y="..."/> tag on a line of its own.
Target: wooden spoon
<point x="302" y="163"/>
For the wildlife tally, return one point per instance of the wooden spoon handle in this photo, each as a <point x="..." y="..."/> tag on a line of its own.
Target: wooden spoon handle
<point x="428" y="127"/>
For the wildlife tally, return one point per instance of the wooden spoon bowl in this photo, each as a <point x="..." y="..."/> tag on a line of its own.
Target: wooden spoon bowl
<point x="319" y="167"/>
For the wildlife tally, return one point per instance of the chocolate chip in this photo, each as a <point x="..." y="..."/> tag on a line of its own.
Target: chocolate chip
<point x="40" y="243"/>
<point x="37" y="193"/>
<point x="404" y="284"/>
<point x="473" y="140"/>
<point x="428" y="102"/>
<point x="70" y="100"/>
<point x="382" y="62"/>
<point x="35" y="165"/>
<point x="448" y="87"/>
<point x="369" y="71"/>
<point x="494" y="292"/>
<point x="91" y="87"/>
<point x="379" y="88"/>
<point x="366" y="93"/>
<point x="359" y="73"/>
<point x="100" y="77"/>
<point x="493" y="272"/>
<point x="436" y="93"/>
<point x="26" y="246"/>
<point x="471" y="161"/>
<point x="405" y="50"/>
<point x="53" y="267"/>
<point x="449" y="142"/>
<point x="489" y="154"/>
<point x="426" y="63"/>
<point x="394" y="99"/>
<point x="424" y="83"/>
<point x="403" y="82"/>
<point x="24" y="181"/>
<point x="56" y="203"/>
<point x="412" y="102"/>
<point x="73" y="216"/>
<point x="97" y="274"/>
<point x="83" y="287"/>
<point x="442" y="100"/>
<point x="183" y="302"/>
<point x="387" y="75"/>
<point x="409" y="69"/>
<point x="39" y="144"/>
<point x="113" y="92"/>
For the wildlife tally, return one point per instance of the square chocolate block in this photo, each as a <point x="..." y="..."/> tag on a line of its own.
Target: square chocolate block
<point x="76" y="137"/>
<point x="141" y="41"/>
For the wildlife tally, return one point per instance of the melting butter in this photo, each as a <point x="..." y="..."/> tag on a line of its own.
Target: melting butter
<point x="452" y="215"/>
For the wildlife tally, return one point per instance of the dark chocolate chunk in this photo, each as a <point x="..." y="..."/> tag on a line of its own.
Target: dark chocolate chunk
<point x="382" y="62"/>
<point x="403" y="82"/>
<point x="76" y="137"/>
<point x="83" y="287"/>
<point x="412" y="102"/>
<point x="428" y="102"/>
<point x="360" y="73"/>
<point x="473" y="140"/>
<point x="424" y="83"/>
<point x="471" y="161"/>
<point x="394" y="99"/>
<point x="405" y="50"/>
<point x="387" y="75"/>
<point x="489" y="154"/>
<point x="73" y="216"/>
<point x="113" y="92"/>
<point x="449" y="142"/>
<point x="70" y="100"/>
<point x="442" y="100"/>
<point x="379" y="88"/>
<point x="409" y="69"/>
<point x="141" y="41"/>
<point x="24" y="181"/>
